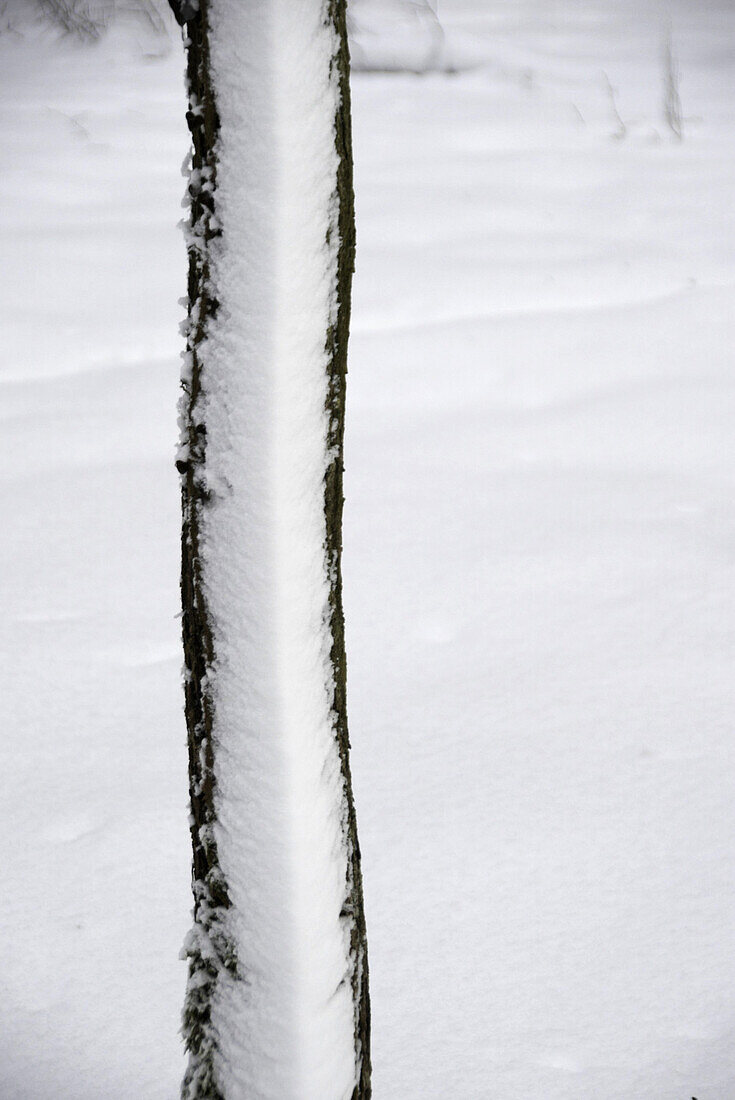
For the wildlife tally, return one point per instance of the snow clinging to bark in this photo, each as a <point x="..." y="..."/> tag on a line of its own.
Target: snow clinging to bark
<point x="285" y="1021"/>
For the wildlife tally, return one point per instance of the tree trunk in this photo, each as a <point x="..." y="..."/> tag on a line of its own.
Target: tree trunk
<point x="277" y="1002"/>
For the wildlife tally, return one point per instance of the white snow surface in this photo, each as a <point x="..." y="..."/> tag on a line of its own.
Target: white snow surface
<point x="539" y="561"/>
<point x="394" y="35"/>
<point x="287" y="1029"/>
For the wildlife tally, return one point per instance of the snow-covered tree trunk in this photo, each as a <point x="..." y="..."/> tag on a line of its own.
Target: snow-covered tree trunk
<point x="277" y="1003"/>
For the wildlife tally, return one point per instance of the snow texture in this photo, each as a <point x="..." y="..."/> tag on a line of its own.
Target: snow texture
<point x="539" y="560"/>
<point x="285" y="1022"/>
<point x="397" y="35"/>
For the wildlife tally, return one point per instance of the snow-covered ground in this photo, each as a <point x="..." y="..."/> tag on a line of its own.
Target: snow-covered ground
<point x="539" y="559"/>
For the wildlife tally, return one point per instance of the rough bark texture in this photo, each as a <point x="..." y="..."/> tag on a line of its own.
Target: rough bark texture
<point x="208" y="948"/>
<point x="211" y="896"/>
<point x="333" y="504"/>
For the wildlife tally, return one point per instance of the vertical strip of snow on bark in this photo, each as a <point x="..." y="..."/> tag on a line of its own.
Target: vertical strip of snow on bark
<point x="285" y="1021"/>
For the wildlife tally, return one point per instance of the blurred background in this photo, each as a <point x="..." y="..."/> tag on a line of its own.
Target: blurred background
<point x="539" y="546"/>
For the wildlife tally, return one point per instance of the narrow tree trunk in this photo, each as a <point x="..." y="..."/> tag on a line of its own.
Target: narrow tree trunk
<point x="277" y="1001"/>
